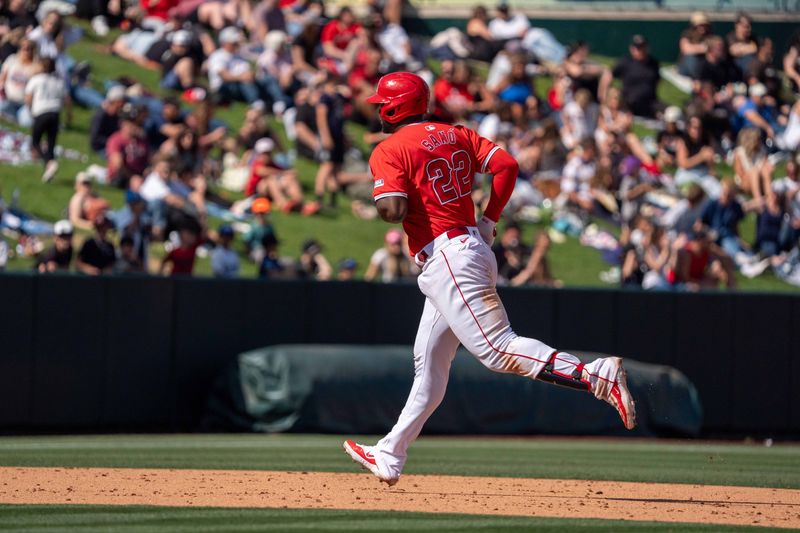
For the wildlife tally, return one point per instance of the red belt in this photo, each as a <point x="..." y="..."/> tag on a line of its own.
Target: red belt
<point x="451" y="234"/>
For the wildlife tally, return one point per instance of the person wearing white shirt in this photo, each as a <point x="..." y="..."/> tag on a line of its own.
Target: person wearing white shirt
<point x="576" y="184"/>
<point x="15" y="73"/>
<point x="44" y="96"/>
<point x="507" y="27"/>
<point x="229" y="74"/>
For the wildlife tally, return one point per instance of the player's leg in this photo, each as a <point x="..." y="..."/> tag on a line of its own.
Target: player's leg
<point x="460" y="281"/>
<point x="434" y="349"/>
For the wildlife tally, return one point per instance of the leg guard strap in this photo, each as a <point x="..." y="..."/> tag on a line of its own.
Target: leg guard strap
<point x="573" y="381"/>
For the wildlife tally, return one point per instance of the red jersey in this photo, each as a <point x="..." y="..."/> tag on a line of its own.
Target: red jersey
<point x="339" y="35"/>
<point x="433" y="165"/>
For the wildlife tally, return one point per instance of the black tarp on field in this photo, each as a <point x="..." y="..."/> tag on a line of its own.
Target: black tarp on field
<point x="361" y="389"/>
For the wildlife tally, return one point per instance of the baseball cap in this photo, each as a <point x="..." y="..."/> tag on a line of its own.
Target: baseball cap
<point x="132" y="197"/>
<point x="274" y="40"/>
<point x="181" y="38"/>
<point x="225" y="230"/>
<point x="638" y="41"/>
<point x="83" y="177"/>
<point x="759" y="89"/>
<point x="672" y="114"/>
<point x="699" y="18"/>
<point x="311" y="246"/>
<point x="264" y="145"/>
<point x="348" y="263"/>
<point x="230" y="35"/>
<point x="261" y="205"/>
<point x="115" y="94"/>
<point x="62" y="228"/>
<point x="394" y="236"/>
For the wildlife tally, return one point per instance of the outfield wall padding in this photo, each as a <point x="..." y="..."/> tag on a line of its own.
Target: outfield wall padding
<point x="362" y="389"/>
<point x="141" y="353"/>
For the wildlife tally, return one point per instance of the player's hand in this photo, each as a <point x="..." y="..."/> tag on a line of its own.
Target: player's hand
<point x="488" y="230"/>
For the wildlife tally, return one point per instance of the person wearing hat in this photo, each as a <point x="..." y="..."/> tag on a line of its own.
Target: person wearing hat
<point x="97" y="255"/>
<point x="105" y="121"/>
<point x="754" y="112"/>
<point x="667" y="139"/>
<point x="313" y="265"/>
<point x="127" y="150"/>
<point x="391" y="263"/>
<point x="229" y="74"/>
<point x="85" y="205"/>
<point x="178" y="67"/>
<point x="224" y="260"/>
<point x="59" y="256"/>
<point x="259" y="228"/>
<point x="269" y="179"/>
<point x="692" y="44"/>
<point x="276" y="70"/>
<point x="347" y="269"/>
<point x="639" y="73"/>
<point x="134" y="221"/>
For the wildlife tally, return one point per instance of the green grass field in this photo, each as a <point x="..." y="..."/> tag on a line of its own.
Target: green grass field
<point x="342" y="234"/>
<point x="622" y="460"/>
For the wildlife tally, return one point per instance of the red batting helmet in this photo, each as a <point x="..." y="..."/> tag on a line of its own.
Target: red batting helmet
<point x="402" y="94"/>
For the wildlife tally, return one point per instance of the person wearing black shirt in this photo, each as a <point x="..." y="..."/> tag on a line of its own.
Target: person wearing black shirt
<point x="178" y="67"/>
<point x="97" y="255"/>
<point x="715" y="66"/>
<point x="59" y="255"/>
<point x="639" y="72"/>
<point x="105" y="121"/>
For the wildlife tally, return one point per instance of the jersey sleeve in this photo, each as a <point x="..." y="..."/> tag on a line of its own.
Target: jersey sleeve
<point x="482" y="147"/>
<point x="389" y="177"/>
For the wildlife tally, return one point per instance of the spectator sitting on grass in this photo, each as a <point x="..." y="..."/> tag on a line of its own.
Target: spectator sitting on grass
<point x="715" y="68"/>
<point x="754" y="112"/>
<point x="269" y="179"/>
<point x="178" y="68"/>
<point x="693" y="46"/>
<point x="134" y="221"/>
<point x="768" y="227"/>
<point x="752" y="169"/>
<point x="696" y="157"/>
<point x="668" y="138"/>
<point x="127" y="151"/>
<point x="59" y="256"/>
<point x="85" y="205"/>
<point x="181" y="258"/>
<point x="313" y="265"/>
<point x="259" y="228"/>
<point x="537" y="268"/>
<point x="506" y="27"/>
<point x="271" y="266"/>
<point x="225" y="260"/>
<point x="105" y="121"/>
<point x="694" y="265"/>
<point x="15" y="73"/>
<point x="578" y="175"/>
<point x="742" y="42"/>
<point x="229" y="74"/>
<point x="391" y="263"/>
<point x="97" y="255"/>
<point x="639" y="72"/>
<point x="347" y="269"/>
<point x="128" y="261"/>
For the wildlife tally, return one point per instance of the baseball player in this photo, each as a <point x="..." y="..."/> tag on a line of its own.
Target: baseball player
<point x="424" y="173"/>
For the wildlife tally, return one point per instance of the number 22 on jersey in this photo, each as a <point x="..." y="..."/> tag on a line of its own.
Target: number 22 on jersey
<point x="451" y="179"/>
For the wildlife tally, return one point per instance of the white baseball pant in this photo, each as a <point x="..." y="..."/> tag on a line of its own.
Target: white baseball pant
<point x="462" y="306"/>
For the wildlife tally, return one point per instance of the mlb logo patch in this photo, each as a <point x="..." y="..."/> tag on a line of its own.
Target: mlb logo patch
<point x="378" y="183"/>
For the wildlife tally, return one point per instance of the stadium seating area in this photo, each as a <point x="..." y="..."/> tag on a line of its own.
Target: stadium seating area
<point x="234" y="135"/>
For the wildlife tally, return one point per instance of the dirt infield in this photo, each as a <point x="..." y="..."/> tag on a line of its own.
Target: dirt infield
<point x="435" y="494"/>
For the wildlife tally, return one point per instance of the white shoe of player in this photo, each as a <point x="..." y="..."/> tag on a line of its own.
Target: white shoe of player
<point x="363" y="456"/>
<point x="620" y="397"/>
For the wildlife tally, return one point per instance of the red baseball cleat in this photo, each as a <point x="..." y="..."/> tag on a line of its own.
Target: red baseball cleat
<point x="363" y="456"/>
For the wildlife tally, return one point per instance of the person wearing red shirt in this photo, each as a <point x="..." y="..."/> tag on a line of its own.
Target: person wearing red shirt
<point x="127" y="152"/>
<point x="182" y="257"/>
<point x="451" y="95"/>
<point x="336" y="38"/>
<point x="268" y="179"/>
<point x="424" y="173"/>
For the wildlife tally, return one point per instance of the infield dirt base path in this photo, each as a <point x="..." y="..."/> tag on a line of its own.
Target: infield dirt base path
<point x="433" y="494"/>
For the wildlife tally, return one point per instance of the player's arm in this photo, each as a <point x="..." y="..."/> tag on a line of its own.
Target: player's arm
<point x="390" y="189"/>
<point x="504" y="170"/>
<point x="392" y="209"/>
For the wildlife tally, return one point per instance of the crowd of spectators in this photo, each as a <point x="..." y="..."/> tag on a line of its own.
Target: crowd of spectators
<point x="597" y="147"/>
